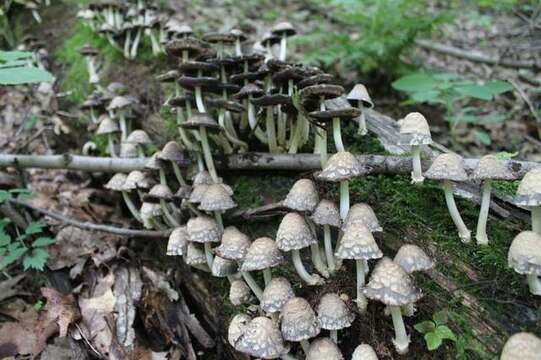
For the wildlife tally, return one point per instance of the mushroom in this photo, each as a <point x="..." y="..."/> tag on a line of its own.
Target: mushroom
<point x="414" y="132"/>
<point x="364" y="352"/>
<point x="162" y="194"/>
<point x="119" y="106"/>
<point x="299" y="322"/>
<point x="173" y="153"/>
<point x="324" y="349"/>
<point x="234" y="245"/>
<point x="292" y="236"/>
<point x="450" y="167"/>
<point x="522" y="346"/>
<point x="90" y="54"/>
<point x="128" y="150"/>
<point x="358" y="96"/>
<point x="302" y="196"/>
<point x="155" y="163"/>
<point x="178" y="242"/>
<point x="108" y="127"/>
<point x="263" y="254"/>
<point x="326" y="214"/>
<point x="240" y="37"/>
<point x="335" y="115"/>
<point x="138" y="180"/>
<point x="195" y="257"/>
<point x="261" y="338"/>
<point x="342" y="167"/>
<point x="150" y="214"/>
<point x="333" y="315"/>
<point x="236" y="328"/>
<point x="358" y="244"/>
<point x="391" y="285"/>
<point x="116" y="183"/>
<point x="362" y="213"/>
<point x="277" y="292"/>
<point x="204" y="229"/>
<point x="240" y="293"/>
<point x="529" y="194"/>
<point x="92" y="103"/>
<point x="283" y="30"/>
<point x="140" y="138"/>
<point x="268" y="41"/>
<point x="217" y="200"/>
<point x="224" y="268"/>
<point x="525" y="258"/>
<point x="247" y="93"/>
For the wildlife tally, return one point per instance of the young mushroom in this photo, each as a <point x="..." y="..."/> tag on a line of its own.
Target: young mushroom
<point x="217" y="199"/>
<point x="529" y="195"/>
<point x="522" y="346"/>
<point x="240" y="293"/>
<point x="195" y="257"/>
<point x="415" y="132"/>
<point x="299" y="322"/>
<point x="224" y="268"/>
<point x="109" y="128"/>
<point x="358" y="96"/>
<point x="364" y="352"/>
<point x="302" y="196"/>
<point x="333" y="315"/>
<point x="324" y="349"/>
<point x="162" y="195"/>
<point x="172" y="153"/>
<point x="327" y="214"/>
<point x="178" y="242"/>
<point x="446" y="168"/>
<point x="90" y="55"/>
<point x="391" y="285"/>
<point x="261" y="338"/>
<point x="204" y="229"/>
<point x="150" y="216"/>
<point x="119" y="107"/>
<point x="116" y="183"/>
<point x="362" y="213"/>
<point x="524" y="257"/>
<point x="277" y="292"/>
<point x="140" y="138"/>
<point x="234" y="245"/>
<point x="236" y="328"/>
<point x="335" y="114"/>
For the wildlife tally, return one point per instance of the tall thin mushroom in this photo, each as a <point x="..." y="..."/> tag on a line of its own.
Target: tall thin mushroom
<point x="359" y="97"/>
<point x="204" y="229"/>
<point x="327" y="214"/>
<point x="415" y="132"/>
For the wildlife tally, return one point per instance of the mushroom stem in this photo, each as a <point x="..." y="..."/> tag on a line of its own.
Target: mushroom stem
<point x="333" y="334"/>
<point x="337" y="134"/>
<point x="193" y="209"/>
<point x="305" y="346"/>
<point x="169" y="218"/>
<point x="200" y="163"/>
<point x="178" y="174"/>
<point x="267" y="275"/>
<point x="252" y="121"/>
<point x="283" y="48"/>
<point x="207" y="154"/>
<point x="401" y="340"/>
<point x="252" y="284"/>
<point x="131" y="206"/>
<point x="238" y="47"/>
<point x="463" y="232"/>
<point x="321" y="135"/>
<point x="127" y="44"/>
<point x="299" y="266"/>
<point x="111" y="145"/>
<point x="208" y="254"/>
<point x="219" y="220"/>
<point x="199" y="100"/>
<point x="317" y="260"/>
<point x="534" y="283"/>
<point x="481" y="233"/>
<point x="417" y="173"/>
<point x="282" y="125"/>
<point x="163" y="179"/>
<point x="361" y="299"/>
<point x="183" y="135"/>
<point x="362" y="121"/>
<point x="297" y="135"/>
<point x="123" y="126"/>
<point x="328" y="248"/>
<point x="536" y="219"/>
<point x="135" y="44"/>
<point x="344" y="199"/>
<point x="271" y="130"/>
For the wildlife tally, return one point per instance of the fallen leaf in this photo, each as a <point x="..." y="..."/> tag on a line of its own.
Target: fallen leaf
<point x="159" y="280"/>
<point x="64" y="349"/>
<point x="59" y="308"/>
<point x="7" y="289"/>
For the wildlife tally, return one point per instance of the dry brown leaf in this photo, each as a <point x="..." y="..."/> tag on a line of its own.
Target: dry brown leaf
<point x="64" y="349"/>
<point x="159" y="280"/>
<point x="60" y="308"/>
<point x="7" y="289"/>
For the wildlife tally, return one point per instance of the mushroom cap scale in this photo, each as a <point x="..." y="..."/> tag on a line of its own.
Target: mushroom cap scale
<point x="276" y="294"/>
<point x="529" y="189"/>
<point x="341" y="166"/>
<point x="240" y="293"/>
<point x="524" y="254"/>
<point x="303" y="196"/>
<point x="116" y="183"/>
<point x="412" y="259"/>
<point x="333" y="313"/>
<point x="262" y="254"/>
<point x="327" y="213"/>
<point x="414" y="123"/>
<point x="198" y="191"/>
<point x="261" y="338"/>
<point x="236" y="328"/>
<point x="178" y="242"/>
<point x="195" y="255"/>
<point x="414" y="139"/>
<point x="362" y="213"/>
<point x="216" y="198"/>
<point x="364" y="352"/>
<point x="203" y="229"/>
<point x="522" y="346"/>
<point x="324" y="349"/>
<point x="449" y="166"/>
<point x="234" y="244"/>
<point x="299" y="321"/>
<point x="294" y="233"/>
<point x="223" y="267"/>
<point x="490" y="167"/>
<point x="358" y="243"/>
<point x="360" y="93"/>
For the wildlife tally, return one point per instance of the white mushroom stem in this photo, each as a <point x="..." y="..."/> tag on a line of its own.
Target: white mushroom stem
<point x="401" y="340"/>
<point x="127" y="45"/>
<point x="238" y="47"/>
<point x="178" y="174"/>
<point x="329" y="253"/>
<point x="344" y="199"/>
<point x="200" y="162"/>
<point x="169" y="218"/>
<point x="111" y="145"/>
<point x="207" y="154"/>
<point x="362" y="121"/>
<point x="267" y="276"/>
<point x="252" y="121"/>
<point x="463" y="232"/>
<point x="163" y="178"/>
<point x="252" y="284"/>
<point x="219" y="220"/>
<point x="333" y="334"/>
<point x="317" y="260"/>
<point x="271" y="130"/>
<point x="361" y="299"/>
<point x="305" y="346"/>
<point x="297" y="135"/>
<point x="93" y="77"/>
<point x="481" y="233"/>
<point x="536" y="219"/>
<point x="123" y="125"/>
<point x="417" y="173"/>
<point x="131" y="206"/>
<point x="534" y="283"/>
<point x="321" y="135"/>
<point x="208" y="254"/>
<point x="282" y="127"/>
<point x="301" y="270"/>
<point x="199" y="100"/>
<point x="135" y="44"/>
<point x="337" y="134"/>
<point x="283" y="47"/>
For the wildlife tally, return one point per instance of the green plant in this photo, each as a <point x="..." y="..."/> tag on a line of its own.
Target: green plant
<point x="16" y="69"/>
<point x="435" y="331"/>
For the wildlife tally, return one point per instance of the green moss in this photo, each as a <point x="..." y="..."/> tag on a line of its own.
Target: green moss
<point x="505" y="187"/>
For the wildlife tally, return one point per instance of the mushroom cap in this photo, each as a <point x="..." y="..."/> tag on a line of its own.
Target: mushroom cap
<point x="154" y="162"/>
<point x="199" y="120"/>
<point x="192" y="82"/>
<point x="529" y="189"/>
<point x="299" y="321"/>
<point x="327" y="116"/>
<point x="327" y="91"/>
<point x="272" y="100"/>
<point x="448" y="166"/>
<point x="490" y="167"/>
<point x="217" y="37"/>
<point x="159" y="192"/>
<point x="238" y="34"/>
<point x="294" y="233"/>
<point x="360" y="93"/>
<point x="276" y="294"/>
<point x="522" y="346"/>
<point x="262" y="254"/>
<point x="324" y="349"/>
<point x="240" y="293"/>
<point x="178" y="242"/>
<point x="193" y="46"/>
<point x="362" y="213"/>
<point x="414" y="130"/>
<point x="107" y="126"/>
<point x="116" y="183"/>
<point x="191" y="68"/>
<point x="203" y="229"/>
<point x="391" y="285"/>
<point x="223" y="267"/>
<point x="303" y="196"/>
<point x="172" y="152"/>
<point x="198" y="191"/>
<point x="261" y="338"/>
<point x="283" y="28"/>
<point x="316" y="79"/>
<point x="139" y="137"/>
<point x="128" y="150"/>
<point x="195" y="255"/>
<point x="236" y="328"/>
<point x="412" y="259"/>
<point x="364" y="352"/>
<point x="327" y="213"/>
<point x="269" y="39"/>
<point x="121" y="102"/>
<point x="149" y="210"/>
<point x="216" y="198"/>
<point x="202" y="177"/>
<point x="341" y="166"/>
<point x="234" y="244"/>
<point x="358" y="243"/>
<point x="333" y="313"/>
<point x="137" y="180"/>
<point x="524" y="254"/>
<point x="249" y="89"/>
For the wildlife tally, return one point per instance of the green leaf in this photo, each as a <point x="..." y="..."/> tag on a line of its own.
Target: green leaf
<point x="4" y="195"/>
<point x="5" y="239"/>
<point x="498" y="87"/>
<point x="7" y="56"/>
<point x="425" y="327"/>
<point x="415" y="83"/>
<point x="426" y="96"/>
<point x="35" y="260"/>
<point x="24" y="75"/>
<point x="445" y="76"/>
<point x="3" y="223"/>
<point x="440" y="317"/>
<point x="445" y="333"/>
<point x="504" y="155"/>
<point x="34" y="228"/>
<point x="433" y="341"/>
<point x="475" y="91"/>
<point x="482" y="137"/>
<point x="43" y="241"/>
<point x="12" y="256"/>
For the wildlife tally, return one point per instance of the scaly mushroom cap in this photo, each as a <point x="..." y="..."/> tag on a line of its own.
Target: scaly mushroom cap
<point x="128" y="150"/>
<point x="340" y="167"/>
<point x="203" y="229"/>
<point x="198" y="191"/>
<point x="327" y="213"/>
<point x="391" y="285"/>
<point x="529" y="189"/>
<point x="412" y="259"/>
<point x="299" y="321"/>
<point x="159" y="192"/>
<point x="525" y="253"/>
<point x="237" y="325"/>
<point x="358" y="243"/>
<point x="262" y="339"/>
<point x="294" y="233"/>
<point x="360" y="93"/>
<point x="178" y="242"/>
<point x="223" y="267"/>
<point x="362" y="214"/>
<point x="137" y="180"/>
<point x="149" y="210"/>
<point x="318" y="91"/>
<point x="522" y="346"/>
<point x="198" y="120"/>
<point x="154" y="162"/>
<point x="303" y="196"/>
<point x="234" y="244"/>
<point x="283" y="28"/>
<point x="276" y="294"/>
<point x="195" y="255"/>
<point x="172" y="152"/>
<point x="202" y="178"/>
<point x="248" y="90"/>
<point x="414" y="130"/>
<point x="116" y="183"/>
<point x="262" y="254"/>
<point x="139" y="137"/>
<point x="121" y="102"/>
<point x="333" y="313"/>
<point x="448" y="166"/>
<point x="216" y="198"/>
<point x="364" y="352"/>
<point x="269" y="39"/>
<point x="324" y="349"/>
<point x="216" y="37"/>
<point x="107" y="126"/>
<point x="240" y="293"/>
<point x="490" y="167"/>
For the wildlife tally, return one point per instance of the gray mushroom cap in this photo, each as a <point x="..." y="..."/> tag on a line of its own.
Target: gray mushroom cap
<point x="240" y="293"/>
<point x="358" y="243"/>
<point x="120" y="102"/>
<point x="448" y="166"/>
<point x="391" y="285"/>
<point x="172" y="152"/>
<point x="324" y="349"/>
<point x="490" y="167"/>
<point x="299" y="321"/>
<point x="333" y="313"/>
<point x="128" y="150"/>
<point x="414" y="130"/>
<point x="360" y="93"/>
<point x="364" y="352"/>
<point x="116" y="183"/>
<point x="340" y="167"/>
<point x="198" y="191"/>
<point x="262" y="338"/>
<point x="234" y="244"/>
<point x="202" y="178"/>
<point x="327" y="213"/>
<point x="276" y="294"/>
<point x="529" y="189"/>
<point x="522" y="346"/>
<point x="195" y="255"/>
<point x="107" y="126"/>
<point x="203" y="229"/>
<point x="262" y="254"/>
<point x="139" y="137"/>
<point x="237" y="325"/>
<point x="294" y="233"/>
<point x="524" y="254"/>
<point x="159" y="192"/>
<point x="412" y="259"/>
<point x="362" y="213"/>
<point x="223" y="267"/>
<point x="178" y="242"/>
<point x="303" y="196"/>
<point x="154" y="162"/>
<point x="137" y="180"/>
<point x="216" y="198"/>
<point x="149" y="210"/>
